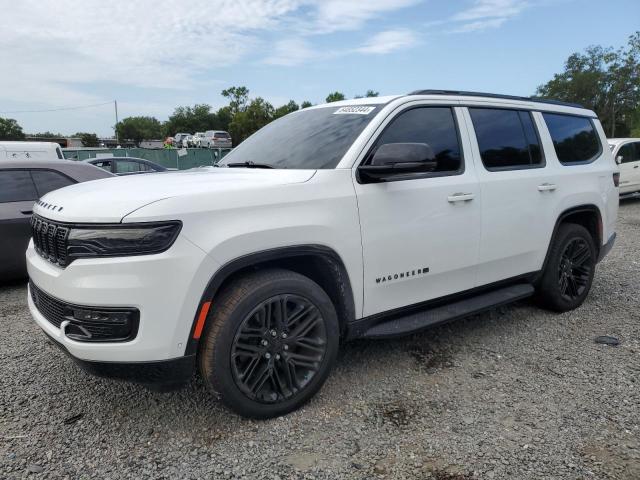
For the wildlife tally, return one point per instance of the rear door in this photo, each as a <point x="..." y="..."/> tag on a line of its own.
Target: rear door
<point x="17" y="195"/>
<point x="517" y="189"/>
<point x="629" y="155"/>
<point x="420" y="233"/>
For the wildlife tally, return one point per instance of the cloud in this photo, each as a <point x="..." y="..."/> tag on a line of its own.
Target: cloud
<point x="290" y="52"/>
<point x="333" y="15"/>
<point x="389" y="41"/>
<point x="486" y="14"/>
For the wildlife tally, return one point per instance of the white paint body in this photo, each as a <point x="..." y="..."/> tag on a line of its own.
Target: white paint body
<point x="629" y="170"/>
<point x="30" y="151"/>
<point x="503" y="229"/>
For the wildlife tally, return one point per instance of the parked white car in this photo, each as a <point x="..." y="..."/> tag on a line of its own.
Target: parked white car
<point x="181" y="140"/>
<point x="30" y="151"/>
<point x="371" y="218"/>
<point x="216" y="139"/>
<point x="626" y="151"/>
<point x="196" y="139"/>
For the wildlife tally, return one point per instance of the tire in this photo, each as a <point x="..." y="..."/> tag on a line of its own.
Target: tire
<point x="568" y="275"/>
<point x="261" y="364"/>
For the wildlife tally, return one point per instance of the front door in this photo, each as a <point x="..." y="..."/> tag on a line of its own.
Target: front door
<point x="420" y="233"/>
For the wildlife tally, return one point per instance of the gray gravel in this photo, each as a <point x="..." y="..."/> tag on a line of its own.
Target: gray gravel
<point x="515" y="393"/>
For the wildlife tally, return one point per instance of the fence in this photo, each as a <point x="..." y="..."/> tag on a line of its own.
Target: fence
<point x="194" y="157"/>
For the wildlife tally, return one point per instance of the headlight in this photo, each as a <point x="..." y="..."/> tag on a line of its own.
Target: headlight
<point x="121" y="240"/>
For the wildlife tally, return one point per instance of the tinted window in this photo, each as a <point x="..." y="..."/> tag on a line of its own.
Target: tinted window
<point x="125" y="166"/>
<point x="629" y="152"/>
<point x="574" y="138"/>
<point x="16" y="186"/>
<point x="104" y="164"/>
<point x="506" y="138"/>
<point x="313" y="138"/>
<point x="434" y="126"/>
<point x="47" y="181"/>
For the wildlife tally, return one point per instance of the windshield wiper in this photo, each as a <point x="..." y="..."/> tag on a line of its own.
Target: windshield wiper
<point x="249" y="164"/>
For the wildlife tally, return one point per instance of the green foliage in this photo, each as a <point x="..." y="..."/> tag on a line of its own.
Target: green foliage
<point x="47" y="134"/>
<point x="370" y="93"/>
<point x="306" y="104"/>
<point x="139" y="128"/>
<point x="605" y="80"/>
<point x="253" y="117"/>
<point x="238" y="98"/>
<point x="285" y="109"/>
<point x="10" y="130"/>
<point x="88" y="139"/>
<point x="198" y="118"/>
<point x="335" y="97"/>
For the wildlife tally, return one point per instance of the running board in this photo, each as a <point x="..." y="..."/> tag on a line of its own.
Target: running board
<point x="452" y="311"/>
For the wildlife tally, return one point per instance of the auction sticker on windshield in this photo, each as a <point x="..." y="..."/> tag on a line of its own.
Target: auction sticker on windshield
<point x="355" y="110"/>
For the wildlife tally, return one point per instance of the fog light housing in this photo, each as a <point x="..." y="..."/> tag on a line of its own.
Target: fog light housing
<point x="98" y="325"/>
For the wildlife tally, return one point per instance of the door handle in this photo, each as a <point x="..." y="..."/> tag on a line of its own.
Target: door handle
<point x="26" y="212"/>
<point x="461" y="197"/>
<point x="546" y="187"/>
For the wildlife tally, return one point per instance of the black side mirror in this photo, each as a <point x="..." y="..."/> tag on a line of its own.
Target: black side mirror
<point x="393" y="159"/>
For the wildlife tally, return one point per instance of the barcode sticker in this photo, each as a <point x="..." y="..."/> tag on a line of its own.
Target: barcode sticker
<point x="354" y="110"/>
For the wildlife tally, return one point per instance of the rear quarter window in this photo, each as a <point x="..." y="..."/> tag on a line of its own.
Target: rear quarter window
<point x="574" y="138"/>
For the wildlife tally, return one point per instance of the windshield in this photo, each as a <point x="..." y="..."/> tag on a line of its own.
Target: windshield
<point x="307" y="139"/>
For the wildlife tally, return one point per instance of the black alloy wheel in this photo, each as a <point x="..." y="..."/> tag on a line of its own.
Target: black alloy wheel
<point x="278" y="348"/>
<point x="575" y="269"/>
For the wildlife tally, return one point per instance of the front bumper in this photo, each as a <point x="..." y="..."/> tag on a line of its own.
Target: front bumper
<point x="165" y="288"/>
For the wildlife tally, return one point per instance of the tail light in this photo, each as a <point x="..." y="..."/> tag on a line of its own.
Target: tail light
<point x="616" y="179"/>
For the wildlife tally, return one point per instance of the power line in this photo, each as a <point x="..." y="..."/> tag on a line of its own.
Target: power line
<point x="58" y="109"/>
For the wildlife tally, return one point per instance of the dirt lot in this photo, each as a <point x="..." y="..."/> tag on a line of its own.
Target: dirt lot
<point x="515" y="393"/>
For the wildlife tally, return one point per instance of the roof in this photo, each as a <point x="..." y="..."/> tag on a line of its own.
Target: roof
<point x="616" y="141"/>
<point x="463" y="93"/>
<point x="79" y="171"/>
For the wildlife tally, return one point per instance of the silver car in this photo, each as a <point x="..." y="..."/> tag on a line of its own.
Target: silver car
<point x="216" y="139"/>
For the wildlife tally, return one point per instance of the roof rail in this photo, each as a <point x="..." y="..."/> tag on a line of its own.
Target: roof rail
<point x="495" y="95"/>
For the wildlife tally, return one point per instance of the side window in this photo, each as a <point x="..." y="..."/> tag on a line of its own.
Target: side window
<point x="47" y="181"/>
<point x="629" y="152"/>
<point x="507" y="138"/>
<point x="126" y="166"/>
<point x="574" y="138"/>
<point x="434" y="126"/>
<point x="105" y="165"/>
<point x="16" y="186"/>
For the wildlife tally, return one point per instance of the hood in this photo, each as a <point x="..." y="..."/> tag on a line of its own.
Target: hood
<point x="109" y="200"/>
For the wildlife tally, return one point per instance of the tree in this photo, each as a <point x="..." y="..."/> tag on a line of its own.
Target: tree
<point x="285" y="109"/>
<point x="370" y="93"/>
<point x="256" y="115"/>
<point x="88" y="139"/>
<point x="306" y="104"/>
<point x="238" y="98"/>
<point x="10" y="130"/>
<point x="139" y="128"/>
<point x="604" y="80"/>
<point x="335" y="97"/>
<point x="198" y="118"/>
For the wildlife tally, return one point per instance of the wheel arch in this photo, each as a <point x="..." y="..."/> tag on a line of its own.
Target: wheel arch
<point x="317" y="262"/>
<point x="587" y="215"/>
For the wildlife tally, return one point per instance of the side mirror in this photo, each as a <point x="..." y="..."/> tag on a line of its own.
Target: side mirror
<point x="619" y="159"/>
<point x="393" y="159"/>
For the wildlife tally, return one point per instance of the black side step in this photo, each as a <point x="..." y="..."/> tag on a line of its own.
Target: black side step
<point x="452" y="311"/>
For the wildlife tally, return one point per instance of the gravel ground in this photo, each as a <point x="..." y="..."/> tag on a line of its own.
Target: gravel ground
<point x="518" y="393"/>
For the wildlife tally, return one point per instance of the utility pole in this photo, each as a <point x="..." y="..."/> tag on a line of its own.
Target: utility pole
<point x="115" y="104"/>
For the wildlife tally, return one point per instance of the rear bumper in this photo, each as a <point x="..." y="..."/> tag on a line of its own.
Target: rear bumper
<point x="606" y="248"/>
<point x="163" y="375"/>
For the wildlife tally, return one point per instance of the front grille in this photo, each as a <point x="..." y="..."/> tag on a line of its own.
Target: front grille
<point x="57" y="311"/>
<point x="50" y="239"/>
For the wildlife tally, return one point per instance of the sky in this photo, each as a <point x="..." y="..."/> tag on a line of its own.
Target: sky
<point x="154" y="55"/>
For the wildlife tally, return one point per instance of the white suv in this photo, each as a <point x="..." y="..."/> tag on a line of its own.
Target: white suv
<point x="626" y="151"/>
<point x="369" y="218"/>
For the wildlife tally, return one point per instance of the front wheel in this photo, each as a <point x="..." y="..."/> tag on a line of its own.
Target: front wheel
<point x="269" y="344"/>
<point x="568" y="275"/>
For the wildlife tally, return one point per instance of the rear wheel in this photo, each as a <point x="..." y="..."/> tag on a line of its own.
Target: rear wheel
<point x="270" y="342"/>
<point x="568" y="275"/>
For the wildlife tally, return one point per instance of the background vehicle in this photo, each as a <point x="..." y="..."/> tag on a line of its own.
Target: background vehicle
<point x="626" y="151"/>
<point x="216" y="139"/>
<point x="30" y="151"/>
<point x="126" y="165"/>
<point x="179" y="138"/>
<point x="196" y="139"/>
<point x="372" y="218"/>
<point x="22" y="182"/>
